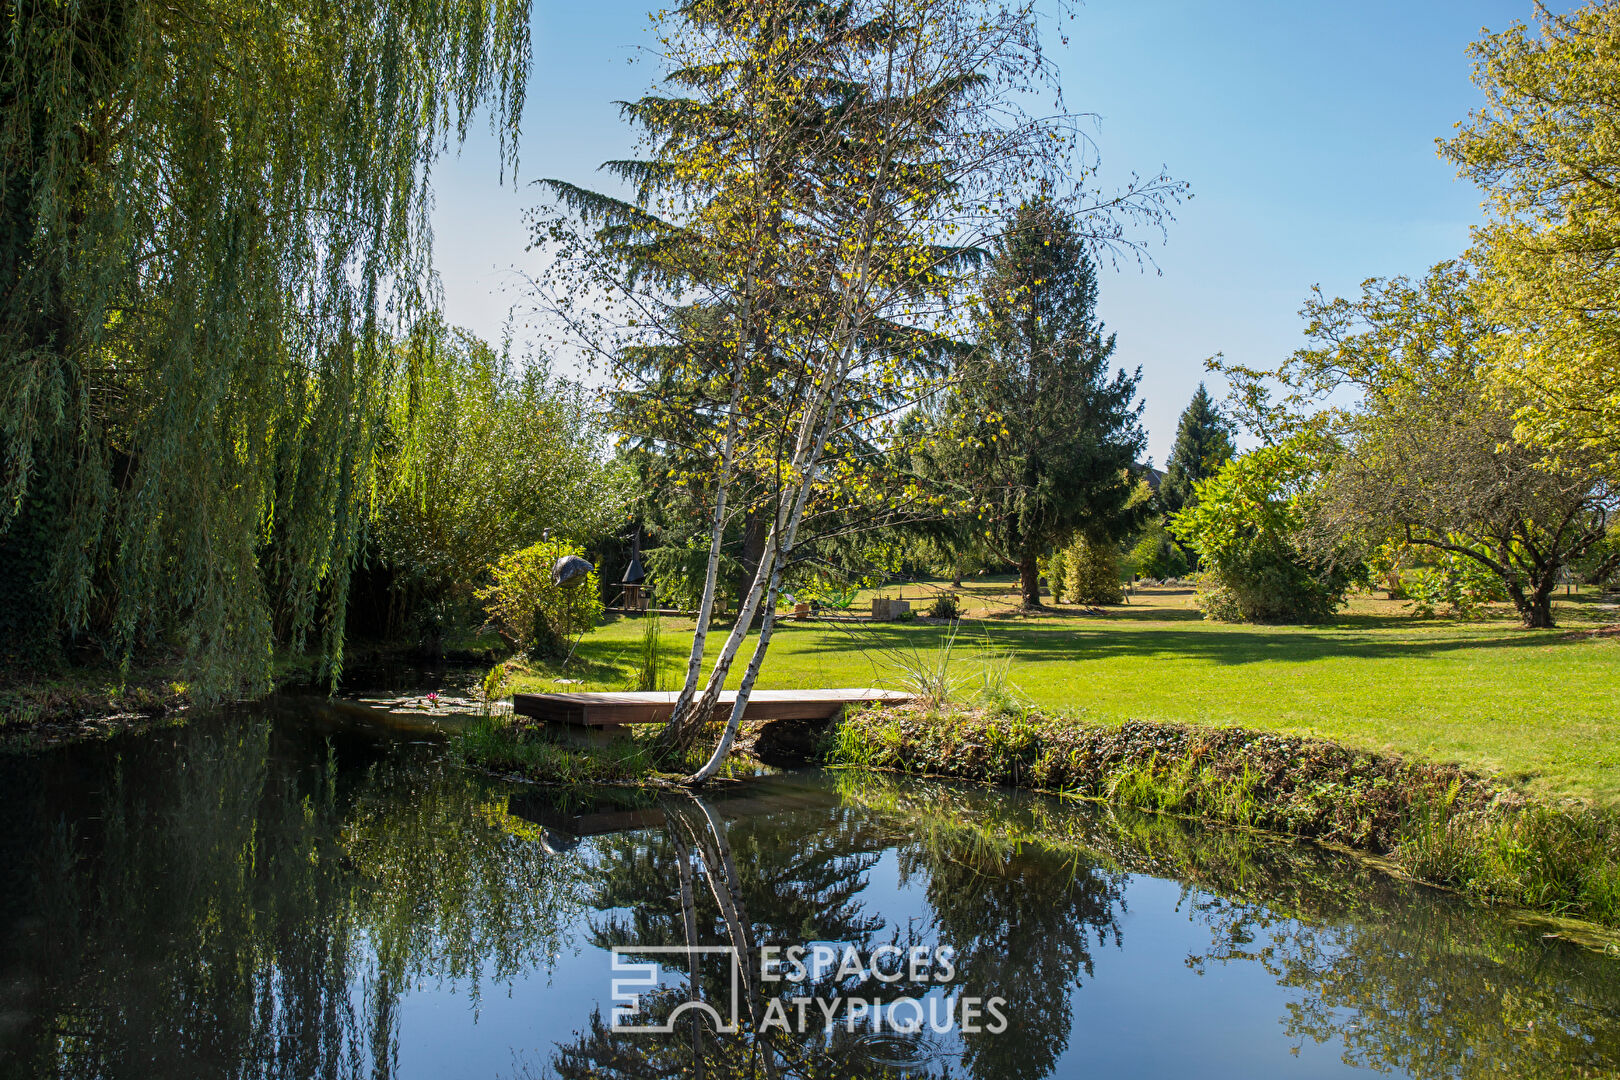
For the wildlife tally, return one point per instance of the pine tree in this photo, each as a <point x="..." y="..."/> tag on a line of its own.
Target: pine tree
<point x="1203" y="445"/>
<point x="1047" y="425"/>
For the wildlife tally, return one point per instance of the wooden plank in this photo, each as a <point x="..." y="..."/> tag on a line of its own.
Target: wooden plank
<point x="654" y="706"/>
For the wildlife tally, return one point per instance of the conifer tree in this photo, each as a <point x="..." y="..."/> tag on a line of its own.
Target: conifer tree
<point x="1203" y="445"/>
<point x="1045" y="424"/>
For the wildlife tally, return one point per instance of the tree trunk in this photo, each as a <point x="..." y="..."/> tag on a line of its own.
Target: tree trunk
<point x="753" y="550"/>
<point x="1029" y="582"/>
<point x="1537" y="611"/>
<point x="767" y="624"/>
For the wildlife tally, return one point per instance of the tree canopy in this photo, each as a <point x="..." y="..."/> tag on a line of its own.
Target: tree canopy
<point x="1546" y="147"/>
<point x="1042" y="424"/>
<point x="215" y="221"/>
<point x="1203" y="444"/>
<point x="1395" y="395"/>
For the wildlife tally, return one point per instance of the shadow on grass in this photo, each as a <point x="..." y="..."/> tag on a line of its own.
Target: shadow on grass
<point x="1228" y="645"/>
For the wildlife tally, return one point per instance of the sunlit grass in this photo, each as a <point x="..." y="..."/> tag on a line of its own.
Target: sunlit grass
<point x="1532" y="706"/>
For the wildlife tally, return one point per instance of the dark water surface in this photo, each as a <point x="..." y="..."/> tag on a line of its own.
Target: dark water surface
<point x="302" y="890"/>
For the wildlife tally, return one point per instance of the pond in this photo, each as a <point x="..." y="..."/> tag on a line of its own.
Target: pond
<point x="305" y="889"/>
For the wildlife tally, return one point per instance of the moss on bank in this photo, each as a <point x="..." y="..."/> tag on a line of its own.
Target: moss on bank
<point x="1436" y="822"/>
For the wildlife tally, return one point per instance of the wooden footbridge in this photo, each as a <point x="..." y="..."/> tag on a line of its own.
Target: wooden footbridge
<point x="610" y="710"/>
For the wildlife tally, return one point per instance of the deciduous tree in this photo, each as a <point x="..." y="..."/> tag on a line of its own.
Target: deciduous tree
<point x="1546" y="147"/>
<point x="215" y="220"/>
<point x="1419" y="447"/>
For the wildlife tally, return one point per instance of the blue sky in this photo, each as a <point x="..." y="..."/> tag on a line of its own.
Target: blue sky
<point x="1306" y="130"/>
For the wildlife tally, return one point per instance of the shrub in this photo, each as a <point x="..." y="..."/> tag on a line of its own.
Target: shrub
<point x="1247" y="528"/>
<point x="828" y="591"/>
<point x="1093" y="573"/>
<point x="945" y="606"/>
<point x="1057" y="575"/>
<point x="1156" y="555"/>
<point x="530" y="611"/>
<point x="1455" y="582"/>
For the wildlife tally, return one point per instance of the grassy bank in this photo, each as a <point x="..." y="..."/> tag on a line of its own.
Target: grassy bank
<point x="86" y="701"/>
<point x="1436" y="822"/>
<point x="1534" y="709"/>
<point x="512" y="746"/>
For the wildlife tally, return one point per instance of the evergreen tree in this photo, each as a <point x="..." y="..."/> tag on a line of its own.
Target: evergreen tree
<point x="1045" y="424"/>
<point x="1203" y="445"/>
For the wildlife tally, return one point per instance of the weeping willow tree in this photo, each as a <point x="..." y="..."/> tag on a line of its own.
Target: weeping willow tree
<point x="214" y="219"/>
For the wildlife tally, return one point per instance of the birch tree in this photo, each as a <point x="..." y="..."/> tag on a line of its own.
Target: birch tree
<point x="828" y="188"/>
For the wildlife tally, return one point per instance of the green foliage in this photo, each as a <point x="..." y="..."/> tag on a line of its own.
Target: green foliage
<point x="1459" y="583"/>
<point x="533" y="613"/>
<point x="496" y="742"/>
<point x="30" y="636"/>
<point x="215" y="217"/>
<point x="831" y="591"/>
<point x="649" y="660"/>
<point x="945" y="606"/>
<point x="1418" y="446"/>
<point x="677" y="571"/>
<point x="1156" y="555"/>
<point x="484" y="460"/>
<point x="1092" y="573"/>
<point x="1057" y="574"/>
<point x="1203" y="445"/>
<point x="1439" y="824"/>
<point x="1246" y="525"/>
<point x="1043" y="422"/>
<point x="1546" y="147"/>
<point x="1545" y="858"/>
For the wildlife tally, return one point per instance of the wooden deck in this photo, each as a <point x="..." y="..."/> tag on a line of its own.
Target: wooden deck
<point x="654" y="706"/>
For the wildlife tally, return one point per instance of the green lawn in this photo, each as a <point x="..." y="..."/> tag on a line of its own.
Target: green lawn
<point x="1536" y="707"/>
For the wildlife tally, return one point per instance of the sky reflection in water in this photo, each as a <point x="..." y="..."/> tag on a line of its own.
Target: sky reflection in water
<point x="287" y="891"/>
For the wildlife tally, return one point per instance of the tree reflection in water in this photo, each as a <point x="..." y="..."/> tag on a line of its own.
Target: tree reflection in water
<point x="765" y="880"/>
<point x="219" y="902"/>
<point x="251" y="897"/>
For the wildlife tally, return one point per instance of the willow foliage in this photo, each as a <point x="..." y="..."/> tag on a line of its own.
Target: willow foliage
<point x="215" y="216"/>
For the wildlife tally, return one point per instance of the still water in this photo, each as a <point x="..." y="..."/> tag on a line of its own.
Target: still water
<point x="306" y="890"/>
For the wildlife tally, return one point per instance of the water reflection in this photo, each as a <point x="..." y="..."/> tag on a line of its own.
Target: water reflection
<point x="290" y="895"/>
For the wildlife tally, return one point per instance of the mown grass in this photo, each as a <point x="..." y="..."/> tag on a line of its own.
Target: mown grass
<point x="1530" y="708"/>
